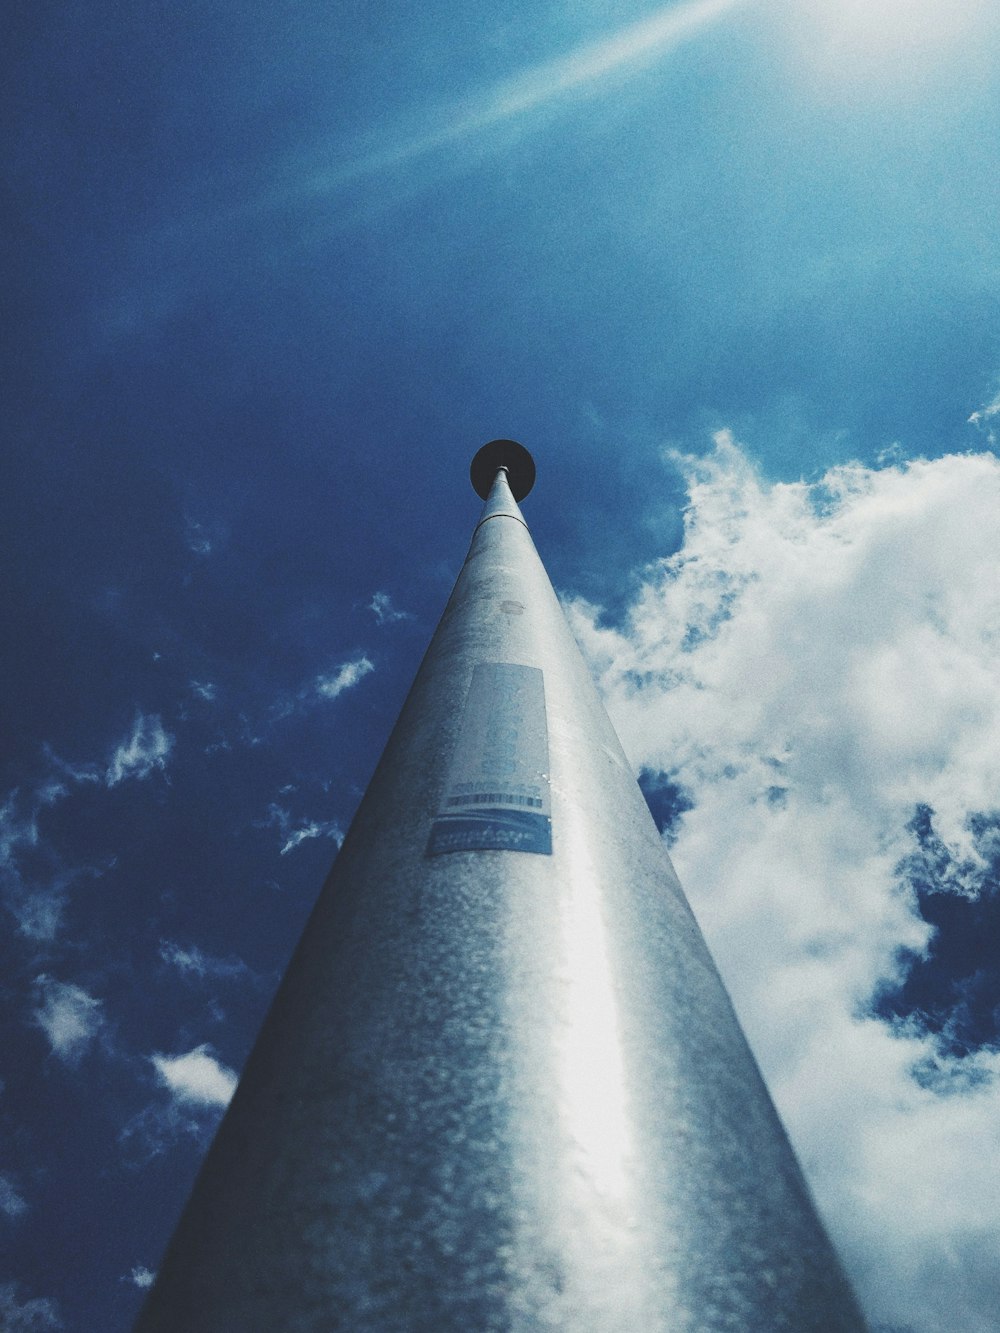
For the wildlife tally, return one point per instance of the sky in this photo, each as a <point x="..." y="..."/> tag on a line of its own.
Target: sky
<point x="729" y="269"/>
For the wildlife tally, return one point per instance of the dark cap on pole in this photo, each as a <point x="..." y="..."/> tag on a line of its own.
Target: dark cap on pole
<point x="507" y="454"/>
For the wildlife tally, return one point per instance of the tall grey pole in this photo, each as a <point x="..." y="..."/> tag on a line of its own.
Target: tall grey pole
<point x="502" y="1086"/>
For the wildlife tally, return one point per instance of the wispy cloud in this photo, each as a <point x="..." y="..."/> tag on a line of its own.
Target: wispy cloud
<point x="69" y="773"/>
<point x="37" y="914"/>
<point x="33" y="883"/>
<point x="295" y="832"/>
<point x="38" y="1315"/>
<point x="68" y="1015"/>
<point x="333" y="685"/>
<point x="34" y="880"/>
<point x="141" y="1276"/>
<point x="204" y="689"/>
<point x="328" y="829"/>
<point x="12" y="1204"/>
<point x="320" y="689"/>
<point x="19" y="820"/>
<point x="985" y="418"/>
<point x="193" y="1095"/>
<point x="813" y="665"/>
<point x="193" y="962"/>
<point x="198" y="538"/>
<point x="196" y="1078"/>
<point x="383" y="610"/>
<point x="144" y="751"/>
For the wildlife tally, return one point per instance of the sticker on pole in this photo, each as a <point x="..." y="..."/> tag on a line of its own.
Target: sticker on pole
<point x="497" y="797"/>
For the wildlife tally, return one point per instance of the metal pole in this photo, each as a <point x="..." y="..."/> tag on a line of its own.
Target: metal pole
<point x="502" y="1086"/>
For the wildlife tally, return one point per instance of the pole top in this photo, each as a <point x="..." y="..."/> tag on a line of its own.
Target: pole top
<point x="503" y="454"/>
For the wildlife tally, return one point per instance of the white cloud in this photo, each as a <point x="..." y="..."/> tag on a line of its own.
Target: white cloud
<point x="76" y="773"/>
<point x="36" y="911"/>
<point x="984" y="418"/>
<point x="329" y="687"/>
<point x="68" y="1016"/>
<point x="11" y="1202"/>
<point x="196" y="1078"/>
<point x="17" y="832"/>
<point x="160" y="1126"/>
<point x="204" y="689"/>
<point x="141" y="1276"/>
<point x="199" y="1088"/>
<point x="327" y="829"/>
<point x="813" y="663"/>
<point x="26" y="859"/>
<point x="32" y="1316"/>
<point x="193" y="962"/>
<point x="199" y="538"/>
<point x="143" y="752"/>
<point x="280" y="818"/>
<point x="34" y="882"/>
<point x="383" y="610"/>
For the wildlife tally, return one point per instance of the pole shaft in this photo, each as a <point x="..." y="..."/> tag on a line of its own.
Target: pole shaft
<point x="501" y="1089"/>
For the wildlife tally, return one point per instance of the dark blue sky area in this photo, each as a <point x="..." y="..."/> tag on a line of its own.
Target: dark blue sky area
<point x="272" y="274"/>
<point x="952" y="991"/>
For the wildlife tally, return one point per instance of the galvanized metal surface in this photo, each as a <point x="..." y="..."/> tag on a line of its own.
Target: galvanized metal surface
<point x="500" y="1090"/>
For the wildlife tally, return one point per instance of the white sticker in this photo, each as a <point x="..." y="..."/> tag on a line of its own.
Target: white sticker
<point x="497" y="797"/>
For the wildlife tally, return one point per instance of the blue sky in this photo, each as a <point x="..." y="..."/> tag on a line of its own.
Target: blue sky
<point x="730" y="271"/>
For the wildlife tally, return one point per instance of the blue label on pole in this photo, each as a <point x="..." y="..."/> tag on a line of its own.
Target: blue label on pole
<point x="497" y="797"/>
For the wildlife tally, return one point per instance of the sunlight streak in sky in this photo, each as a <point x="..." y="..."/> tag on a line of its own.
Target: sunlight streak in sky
<point x="642" y="42"/>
